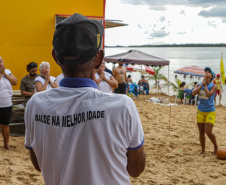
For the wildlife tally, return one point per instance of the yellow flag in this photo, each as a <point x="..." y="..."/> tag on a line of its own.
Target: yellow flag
<point x="222" y="70"/>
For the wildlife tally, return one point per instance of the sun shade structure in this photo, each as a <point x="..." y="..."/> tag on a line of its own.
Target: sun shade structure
<point x="191" y="70"/>
<point x="137" y="57"/>
<point x="141" y="68"/>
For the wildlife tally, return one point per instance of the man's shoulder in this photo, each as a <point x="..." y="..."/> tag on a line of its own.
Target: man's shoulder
<point x="107" y="74"/>
<point x="39" y="78"/>
<point x="25" y="78"/>
<point x="7" y="71"/>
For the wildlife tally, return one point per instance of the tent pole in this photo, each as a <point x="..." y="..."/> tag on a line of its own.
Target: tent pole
<point x="168" y="79"/>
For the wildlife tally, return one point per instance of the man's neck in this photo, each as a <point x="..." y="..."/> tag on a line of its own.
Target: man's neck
<point x="31" y="76"/>
<point x="208" y="82"/>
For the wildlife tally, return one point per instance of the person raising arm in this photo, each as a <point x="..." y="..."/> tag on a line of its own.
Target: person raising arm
<point x="206" y="114"/>
<point x="45" y="81"/>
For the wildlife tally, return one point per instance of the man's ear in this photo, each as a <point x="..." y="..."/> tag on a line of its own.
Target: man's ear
<point x="99" y="59"/>
<point x="54" y="56"/>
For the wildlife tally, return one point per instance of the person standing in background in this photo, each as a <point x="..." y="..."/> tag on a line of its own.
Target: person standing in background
<point x="27" y="82"/>
<point x="119" y="74"/>
<point x="206" y="112"/>
<point x="6" y="92"/>
<point x="104" y="80"/>
<point x="129" y="79"/>
<point x="219" y="85"/>
<point x="159" y="87"/>
<point x="45" y="81"/>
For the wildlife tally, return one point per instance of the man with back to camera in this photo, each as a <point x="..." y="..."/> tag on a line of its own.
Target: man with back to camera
<point x="74" y="136"/>
<point x="27" y="82"/>
<point x="206" y="113"/>
<point x="119" y="73"/>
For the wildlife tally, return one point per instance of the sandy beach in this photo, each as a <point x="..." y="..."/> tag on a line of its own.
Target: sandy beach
<point x="171" y="146"/>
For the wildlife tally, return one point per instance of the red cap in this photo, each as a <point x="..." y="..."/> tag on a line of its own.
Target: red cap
<point x="218" y="75"/>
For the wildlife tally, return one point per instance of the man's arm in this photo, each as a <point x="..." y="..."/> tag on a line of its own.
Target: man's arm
<point x="136" y="161"/>
<point x="25" y="93"/>
<point x="23" y="89"/>
<point x="211" y="92"/>
<point x="101" y="77"/>
<point x="126" y="79"/>
<point x="34" y="160"/>
<point x="114" y="72"/>
<point x="222" y="87"/>
<point x="53" y="84"/>
<point x="11" y="78"/>
<point x="112" y="82"/>
<point x="197" y="89"/>
<point x="39" y="87"/>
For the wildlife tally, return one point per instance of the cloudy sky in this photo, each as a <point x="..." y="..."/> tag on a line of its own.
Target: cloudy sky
<point x="166" y="22"/>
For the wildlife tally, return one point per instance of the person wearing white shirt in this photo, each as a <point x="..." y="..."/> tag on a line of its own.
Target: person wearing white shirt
<point x="77" y="134"/>
<point x="6" y="81"/>
<point x="104" y="80"/>
<point x="45" y="81"/>
<point x="59" y="78"/>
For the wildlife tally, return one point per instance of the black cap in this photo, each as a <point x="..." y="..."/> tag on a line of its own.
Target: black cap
<point x="77" y="39"/>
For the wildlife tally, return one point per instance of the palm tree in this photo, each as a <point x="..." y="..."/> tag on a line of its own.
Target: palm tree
<point x="157" y="75"/>
<point x="175" y="86"/>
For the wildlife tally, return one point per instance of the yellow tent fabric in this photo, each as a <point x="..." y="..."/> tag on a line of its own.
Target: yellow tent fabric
<point x="222" y="69"/>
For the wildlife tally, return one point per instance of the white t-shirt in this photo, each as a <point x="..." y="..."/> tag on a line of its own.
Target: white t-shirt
<point x="80" y="135"/>
<point x="59" y="78"/>
<point x="6" y="91"/>
<point x="42" y="80"/>
<point x="103" y="85"/>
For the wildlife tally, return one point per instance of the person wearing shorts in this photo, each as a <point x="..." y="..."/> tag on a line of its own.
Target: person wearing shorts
<point x="218" y="83"/>
<point x="206" y="109"/>
<point x="6" y="81"/>
<point x="119" y="73"/>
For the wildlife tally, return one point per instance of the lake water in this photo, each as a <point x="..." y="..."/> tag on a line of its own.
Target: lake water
<point x="179" y="57"/>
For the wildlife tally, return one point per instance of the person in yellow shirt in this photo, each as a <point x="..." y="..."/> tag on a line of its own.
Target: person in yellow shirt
<point x="218" y="83"/>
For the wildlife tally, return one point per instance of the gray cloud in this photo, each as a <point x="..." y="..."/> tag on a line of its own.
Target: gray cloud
<point x="157" y="7"/>
<point x="139" y="26"/>
<point x="159" y="34"/>
<point x="214" y="12"/>
<point x="160" y="5"/>
<point x="162" y="19"/>
<point x="181" y="33"/>
<point x="212" y="24"/>
<point x="182" y="12"/>
<point x="154" y="3"/>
